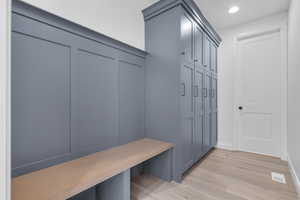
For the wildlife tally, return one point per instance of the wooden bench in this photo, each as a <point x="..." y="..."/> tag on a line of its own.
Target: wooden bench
<point x="108" y="170"/>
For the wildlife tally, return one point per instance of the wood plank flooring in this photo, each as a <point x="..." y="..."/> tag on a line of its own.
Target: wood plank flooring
<point x="222" y="175"/>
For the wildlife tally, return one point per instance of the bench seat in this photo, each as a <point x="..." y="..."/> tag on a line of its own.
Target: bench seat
<point x="65" y="180"/>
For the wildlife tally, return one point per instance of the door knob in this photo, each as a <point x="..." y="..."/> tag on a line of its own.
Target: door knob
<point x="240" y="107"/>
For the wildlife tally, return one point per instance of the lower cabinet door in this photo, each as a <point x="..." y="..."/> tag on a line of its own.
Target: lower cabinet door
<point x="199" y="115"/>
<point x="186" y="100"/>
<point x="207" y="113"/>
<point x="214" y="118"/>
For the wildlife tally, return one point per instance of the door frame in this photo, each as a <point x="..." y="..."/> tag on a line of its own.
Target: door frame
<point x="5" y="136"/>
<point x="282" y="29"/>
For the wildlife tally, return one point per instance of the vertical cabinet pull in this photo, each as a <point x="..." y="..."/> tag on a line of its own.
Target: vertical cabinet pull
<point x="183" y="89"/>
<point x="196" y="91"/>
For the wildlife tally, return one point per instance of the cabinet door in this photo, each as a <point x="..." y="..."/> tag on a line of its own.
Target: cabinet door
<point x="207" y="115"/>
<point x="187" y="115"/>
<point x="214" y="113"/>
<point x="213" y="57"/>
<point x="199" y="114"/>
<point x="206" y="52"/>
<point x="198" y="46"/>
<point x="187" y="40"/>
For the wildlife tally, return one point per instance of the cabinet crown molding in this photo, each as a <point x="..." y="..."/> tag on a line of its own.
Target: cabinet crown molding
<point x="191" y="7"/>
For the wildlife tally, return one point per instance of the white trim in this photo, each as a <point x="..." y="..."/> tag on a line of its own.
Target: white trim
<point x="295" y="178"/>
<point x="282" y="28"/>
<point x="284" y="88"/>
<point x="225" y="146"/>
<point x="5" y="174"/>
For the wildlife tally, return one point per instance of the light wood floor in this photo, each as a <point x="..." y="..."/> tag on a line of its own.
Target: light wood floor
<point x="222" y="175"/>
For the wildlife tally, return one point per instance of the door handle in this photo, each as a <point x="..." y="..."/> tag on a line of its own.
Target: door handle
<point x="183" y="89"/>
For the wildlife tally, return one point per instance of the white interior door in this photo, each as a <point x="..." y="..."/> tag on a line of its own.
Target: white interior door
<point x="259" y="93"/>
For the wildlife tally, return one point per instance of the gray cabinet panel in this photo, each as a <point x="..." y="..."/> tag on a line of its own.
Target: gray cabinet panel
<point x="95" y="98"/>
<point x="132" y="102"/>
<point x="40" y="100"/>
<point x="214" y="112"/>
<point x="187" y="115"/>
<point x="207" y="110"/>
<point x="206" y="52"/>
<point x="199" y="114"/>
<point x="213" y="57"/>
<point x="214" y="127"/>
<point x="214" y="93"/>
<point x="198" y="46"/>
<point x="187" y="39"/>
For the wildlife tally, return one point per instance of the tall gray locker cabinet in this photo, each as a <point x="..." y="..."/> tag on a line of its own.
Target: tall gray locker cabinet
<point x="181" y="80"/>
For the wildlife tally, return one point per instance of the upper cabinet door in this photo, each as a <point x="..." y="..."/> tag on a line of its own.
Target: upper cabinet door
<point x="198" y="53"/>
<point x="187" y="40"/>
<point x="206" y="52"/>
<point x="213" y="58"/>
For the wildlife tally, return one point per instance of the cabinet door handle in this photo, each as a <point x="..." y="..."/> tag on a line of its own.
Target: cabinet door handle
<point x="183" y="89"/>
<point x="196" y="91"/>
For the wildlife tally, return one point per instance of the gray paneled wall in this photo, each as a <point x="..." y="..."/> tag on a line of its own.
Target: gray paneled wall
<point x="74" y="91"/>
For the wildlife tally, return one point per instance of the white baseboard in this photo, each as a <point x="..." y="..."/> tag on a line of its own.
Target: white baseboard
<point x="225" y="146"/>
<point x="295" y="178"/>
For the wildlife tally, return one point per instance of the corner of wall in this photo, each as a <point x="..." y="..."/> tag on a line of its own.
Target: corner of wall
<point x="224" y="146"/>
<point x="295" y="178"/>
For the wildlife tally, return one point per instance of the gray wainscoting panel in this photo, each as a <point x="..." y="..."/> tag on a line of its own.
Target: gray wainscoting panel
<point x="71" y="90"/>
<point x="95" y="87"/>
<point x="40" y="98"/>
<point x="132" y="100"/>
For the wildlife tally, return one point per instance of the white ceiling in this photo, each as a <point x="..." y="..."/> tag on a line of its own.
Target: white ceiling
<point x="216" y="11"/>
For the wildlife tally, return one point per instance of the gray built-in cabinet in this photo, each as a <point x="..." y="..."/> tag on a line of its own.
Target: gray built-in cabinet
<point x="181" y="80"/>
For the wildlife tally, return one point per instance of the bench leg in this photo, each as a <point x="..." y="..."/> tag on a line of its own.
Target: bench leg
<point x="89" y="194"/>
<point x="115" y="188"/>
<point x="161" y="166"/>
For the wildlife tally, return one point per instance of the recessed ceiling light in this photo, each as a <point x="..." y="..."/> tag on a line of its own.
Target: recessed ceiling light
<point x="233" y="9"/>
